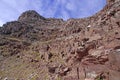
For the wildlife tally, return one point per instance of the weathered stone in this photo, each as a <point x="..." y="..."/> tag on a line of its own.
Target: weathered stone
<point x="30" y="15"/>
<point x="85" y="49"/>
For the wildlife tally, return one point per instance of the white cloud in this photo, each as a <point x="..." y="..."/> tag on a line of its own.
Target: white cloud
<point x="70" y="6"/>
<point x="11" y="9"/>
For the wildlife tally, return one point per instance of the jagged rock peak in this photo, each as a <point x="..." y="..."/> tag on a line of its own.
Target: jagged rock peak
<point x="30" y="15"/>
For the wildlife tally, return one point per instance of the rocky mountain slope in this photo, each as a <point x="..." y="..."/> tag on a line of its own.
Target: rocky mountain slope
<point x="38" y="48"/>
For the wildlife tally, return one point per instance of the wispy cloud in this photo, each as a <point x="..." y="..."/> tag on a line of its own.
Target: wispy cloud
<point x="11" y="9"/>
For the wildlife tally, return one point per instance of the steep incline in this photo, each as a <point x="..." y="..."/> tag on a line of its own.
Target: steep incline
<point x="38" y="48"/>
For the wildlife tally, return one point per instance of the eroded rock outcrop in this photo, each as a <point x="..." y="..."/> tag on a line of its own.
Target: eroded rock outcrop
<point x="38" y="48"/>
<point x="30" y="15"/>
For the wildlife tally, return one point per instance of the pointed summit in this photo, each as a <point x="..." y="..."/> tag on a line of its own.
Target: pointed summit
<point x="30" y="15"/>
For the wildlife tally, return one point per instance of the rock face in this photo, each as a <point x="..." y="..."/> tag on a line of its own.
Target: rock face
<point x="114" y="65"/>
<point x="30" y="15"/>
<point x="38" y="48"/>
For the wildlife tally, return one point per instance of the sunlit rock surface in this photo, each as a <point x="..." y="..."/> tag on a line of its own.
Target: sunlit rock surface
<point x="38" y="48"/>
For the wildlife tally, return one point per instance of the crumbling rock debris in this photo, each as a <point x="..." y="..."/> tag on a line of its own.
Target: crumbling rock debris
<point x="114" y="60"/>
<point x="60" y="70"/>
<point x="54" y="49"/>
<point x="64" y="71"/>
<point x="114" y="65"/>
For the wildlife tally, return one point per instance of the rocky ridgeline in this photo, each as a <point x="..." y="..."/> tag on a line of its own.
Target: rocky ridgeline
<point x="38" y="48"/>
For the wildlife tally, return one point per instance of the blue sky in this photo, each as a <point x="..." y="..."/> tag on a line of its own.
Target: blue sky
<point x="11" y="9"/>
